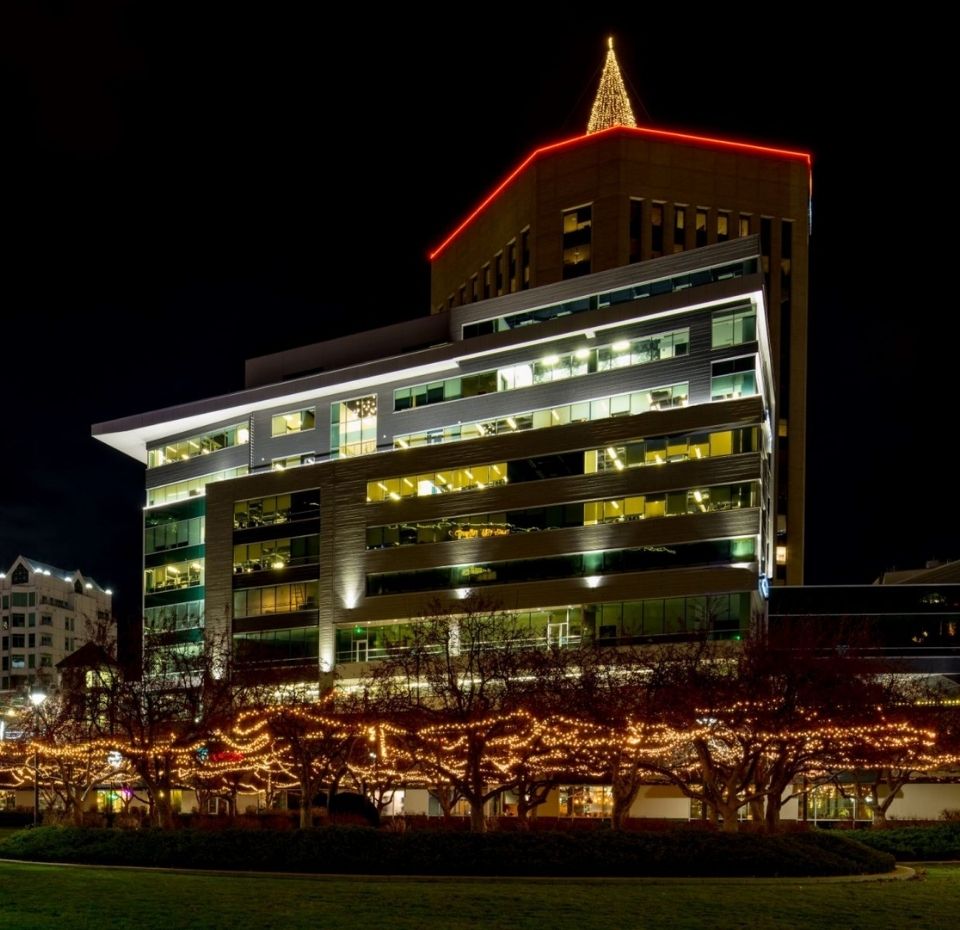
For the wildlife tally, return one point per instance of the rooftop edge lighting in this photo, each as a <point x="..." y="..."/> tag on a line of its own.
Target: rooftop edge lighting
<point x="643" y="131"/>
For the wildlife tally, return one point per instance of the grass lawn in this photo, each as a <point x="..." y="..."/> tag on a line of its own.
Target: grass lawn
<point x="39" y="897"/>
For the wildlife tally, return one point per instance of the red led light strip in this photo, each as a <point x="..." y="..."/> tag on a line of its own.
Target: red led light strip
<point x="638" y="130"/>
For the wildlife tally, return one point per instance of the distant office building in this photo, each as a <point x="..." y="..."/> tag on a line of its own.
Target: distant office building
<point x="47" y="613"/>
<point x="911" y="618"/>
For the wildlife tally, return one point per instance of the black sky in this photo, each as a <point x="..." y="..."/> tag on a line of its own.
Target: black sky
<point x="183" y="190"/>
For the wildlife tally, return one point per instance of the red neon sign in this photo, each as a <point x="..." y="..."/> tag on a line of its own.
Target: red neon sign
<point x="669" y="135"/>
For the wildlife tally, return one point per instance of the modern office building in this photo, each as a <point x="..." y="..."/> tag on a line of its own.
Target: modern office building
<point x="47" y="614"/>
<point x="586" y="429"/>
<point x="603" y="471"/>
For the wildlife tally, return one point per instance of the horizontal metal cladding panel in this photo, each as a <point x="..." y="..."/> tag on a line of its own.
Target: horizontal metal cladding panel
<point x="277" y="531"/>
<point x="656" y="269"/>
<point x="265" y="484"/>
<point x="199" y="465"/>
<point x="571" y="437"/>
<point x="309" y="442"/>
<point x="562" y="592"/>
<point x="664" y="531"/>
<point x="178" y="596"/>
<point x="676" y="476"/>
<point x="299" y="619"/>
<point x="291" y="575"/>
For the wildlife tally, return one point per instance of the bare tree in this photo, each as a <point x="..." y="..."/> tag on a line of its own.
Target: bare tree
<point x="455" y="700"/>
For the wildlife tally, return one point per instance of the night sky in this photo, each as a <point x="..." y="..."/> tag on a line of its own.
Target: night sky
<point x="182" y="191"/>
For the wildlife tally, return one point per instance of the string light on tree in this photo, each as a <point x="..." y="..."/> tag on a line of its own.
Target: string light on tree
<point x="611" y="107"/>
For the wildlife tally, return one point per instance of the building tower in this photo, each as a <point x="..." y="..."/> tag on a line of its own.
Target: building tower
<point x="623" y="194"/>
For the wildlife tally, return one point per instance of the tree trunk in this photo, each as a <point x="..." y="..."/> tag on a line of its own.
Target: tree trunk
<point x="625" y="791"/>
<point x="772" y="817"/>
<point x="306" y="796"/>
<point x="728" y="811"/>
<point x="478" y="822"/>
<point x="163" y="811"/>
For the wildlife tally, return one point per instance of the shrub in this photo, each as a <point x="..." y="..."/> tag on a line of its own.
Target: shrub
<point x="939" y="841"/>
<point x="365" y="851"/>
<point x="16" y="818"/>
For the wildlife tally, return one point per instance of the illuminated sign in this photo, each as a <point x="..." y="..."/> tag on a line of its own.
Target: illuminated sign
<point x="482" y="532"/>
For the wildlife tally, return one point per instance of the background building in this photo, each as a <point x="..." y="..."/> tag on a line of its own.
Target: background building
<point x="908" y="618"/>
<point x="47" y="614"/>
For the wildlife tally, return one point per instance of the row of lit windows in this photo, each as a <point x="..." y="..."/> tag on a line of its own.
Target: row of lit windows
<point x="577" y="242"/>
<point x="277" y="508"/>
<point x="586" y="565"/>
<point x="276" y="554"/>
<point x="30" y="620"/>
<point x="622" y="295"/>
<point x="173" y="535"/>
<point x="659" y="245"/>
<point x="273" y="646"/>
<point x="172" y="617"/>
<point x="173" y="577"/>
<point x="16" y="662"/>
<point x="559" y="516"/>
<point x="26" y="641"/>
<point x="203" y="444"/>
<point x="659" y="398"/>
<point x="193" y="487"/>
<point x="552" y="367"/>
<point x="275" y="599"/>
<point x="656" y="450"/>
<point x="525" y="628"/>
<point x="721" y="616"/>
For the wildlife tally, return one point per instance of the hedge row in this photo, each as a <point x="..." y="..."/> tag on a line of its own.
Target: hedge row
<point x="941" y="841"/>
<point x="364" y="851"/>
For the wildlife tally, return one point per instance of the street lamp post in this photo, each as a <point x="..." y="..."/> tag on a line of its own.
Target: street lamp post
<point x="37" y="697"/>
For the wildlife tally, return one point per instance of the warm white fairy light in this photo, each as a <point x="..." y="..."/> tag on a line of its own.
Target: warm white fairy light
<point x="611" y="107"/>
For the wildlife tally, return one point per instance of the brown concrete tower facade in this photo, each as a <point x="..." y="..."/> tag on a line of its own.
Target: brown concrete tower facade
<point x="625" y="194"/>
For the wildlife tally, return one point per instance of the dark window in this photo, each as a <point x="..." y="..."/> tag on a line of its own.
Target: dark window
<point x="679" y="227"/>
<point x="656" y="230"/>
<point x="525" y="259"/>
<point x="636" y="229"/>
